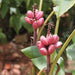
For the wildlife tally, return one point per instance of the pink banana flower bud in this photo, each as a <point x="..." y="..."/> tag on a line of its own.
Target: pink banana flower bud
<point x="35" y="26"/>
<point x="50" y="39"/>
<point x="58" y="44"/>
<point x="55" y="38"/>
<point x="40" y="21"/>
<point x="36" y="12"/>
<point x="44" y="40"/>
<point x="51" y="49"/>
<point x="43" y="51"/>
<point x="30" y="14"/>
<point x="39" y="44"/>
<point x="39" y="15"/>
<point x="28" y="20"/>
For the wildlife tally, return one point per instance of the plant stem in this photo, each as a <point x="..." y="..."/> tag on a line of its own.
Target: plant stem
<point x="48" y="64"/>
<point x="61" y="51"/>
<point x="57" y="25"/>
<point x="35" y="37"/>
<point x="50" y="15"/>
<point x="40" y="6"/>
<point x="56" y="32"/>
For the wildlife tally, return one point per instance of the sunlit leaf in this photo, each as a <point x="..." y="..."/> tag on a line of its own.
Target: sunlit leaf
<point x="31" y="52"/>
<point x="62" y="6"/>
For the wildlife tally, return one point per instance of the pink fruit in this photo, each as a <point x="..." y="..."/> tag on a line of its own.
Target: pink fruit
<point x="58" y="44"/>
<point x="36" y="12"/>
<point x="35" y="26"/>
<point x="50" y="39"/>
<point x="55" y="38"/>
<point x="39" y="44"/>
<point x="43" y="51"/>
<point x="51" y="49"/>
<point x="30" y="14"/>
<point x="40" y="21"/>
<point x="44" y="40"/>
<point x="39" y="15"/>
<point x="28" y="20"/>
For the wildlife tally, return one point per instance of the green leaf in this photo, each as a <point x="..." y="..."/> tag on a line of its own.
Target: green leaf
<point x="62" y="6"/>
<point x="15" y="22"/>
<point x="73" y="39"/>
<point x="31" y="52"/>
<point x="26" y="25"/>
<point x="3" y="38"/>
<point x="40" y="62"/>
<point x="4" y="10"/>
<point x="73" y="72"/>
<point x="71" y="51"/>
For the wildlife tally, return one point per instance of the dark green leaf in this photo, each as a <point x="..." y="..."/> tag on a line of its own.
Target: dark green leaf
<point x="3" y="38"/>
<point x="31" y="52"/>
<point x="4" y="10"/>
<point x="40" y="62"/>
<point x="15" y="22"/>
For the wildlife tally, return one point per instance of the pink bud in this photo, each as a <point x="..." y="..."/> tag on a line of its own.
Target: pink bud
<point x="28" y="20"/>
<point x="35" y="26"/>
<point x="30" y="14"/>
<point x="58" y="44"/>
<point x="44" y="40"/>
<point x="55" y="38"/>
<point x="51" y="49"/>
<point x="39" y="44"/>
<point x="43" y="51"/>
<point x="39" y="15"/>
<point x="40" y="21"/>
<point x="50" y="39"/>
<point x="36" y="12"/>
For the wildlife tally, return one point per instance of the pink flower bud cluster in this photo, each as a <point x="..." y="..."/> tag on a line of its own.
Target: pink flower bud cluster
<point x="35" y="18"/>
<point x="48" y="44"/>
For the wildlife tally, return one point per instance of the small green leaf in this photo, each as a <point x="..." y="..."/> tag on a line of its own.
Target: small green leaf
<point x="3" y="38"/>
<point x="4" y="10"/>
<point x="31" y="52"/>
<point x="62" y="6"/>
<point x="15" y="22"/>
<point x="40" y="62"/>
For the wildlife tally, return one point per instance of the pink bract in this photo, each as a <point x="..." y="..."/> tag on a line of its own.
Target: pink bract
<point x="43" y="51"/>
<point x="51" y="49"/>
<point x="44" y="40"/>
<point x="28" y="20"/>
<point x="30" y="14"/>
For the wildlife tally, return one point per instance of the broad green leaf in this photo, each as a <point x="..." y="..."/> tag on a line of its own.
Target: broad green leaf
<point x="15" y="22"/>
<point x="73" y="72"/>
<point x="40" y="62"/>
<point x="62" y="6"/>
<point x="73" y="39"/>
<point x="4" y="10"/>
<point x="31" y="52"/>
<point x="71" y="51"/>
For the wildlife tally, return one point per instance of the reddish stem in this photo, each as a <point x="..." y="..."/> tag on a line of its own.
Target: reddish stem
<point x="48" y="64"/>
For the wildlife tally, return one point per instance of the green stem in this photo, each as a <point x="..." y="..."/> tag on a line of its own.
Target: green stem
<point x="40" y="6"/>
<point x="50" y="15"/>
<point x="57" y="25"/>
<point x="56" y="32"/>
<point x="61" y="51"/>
